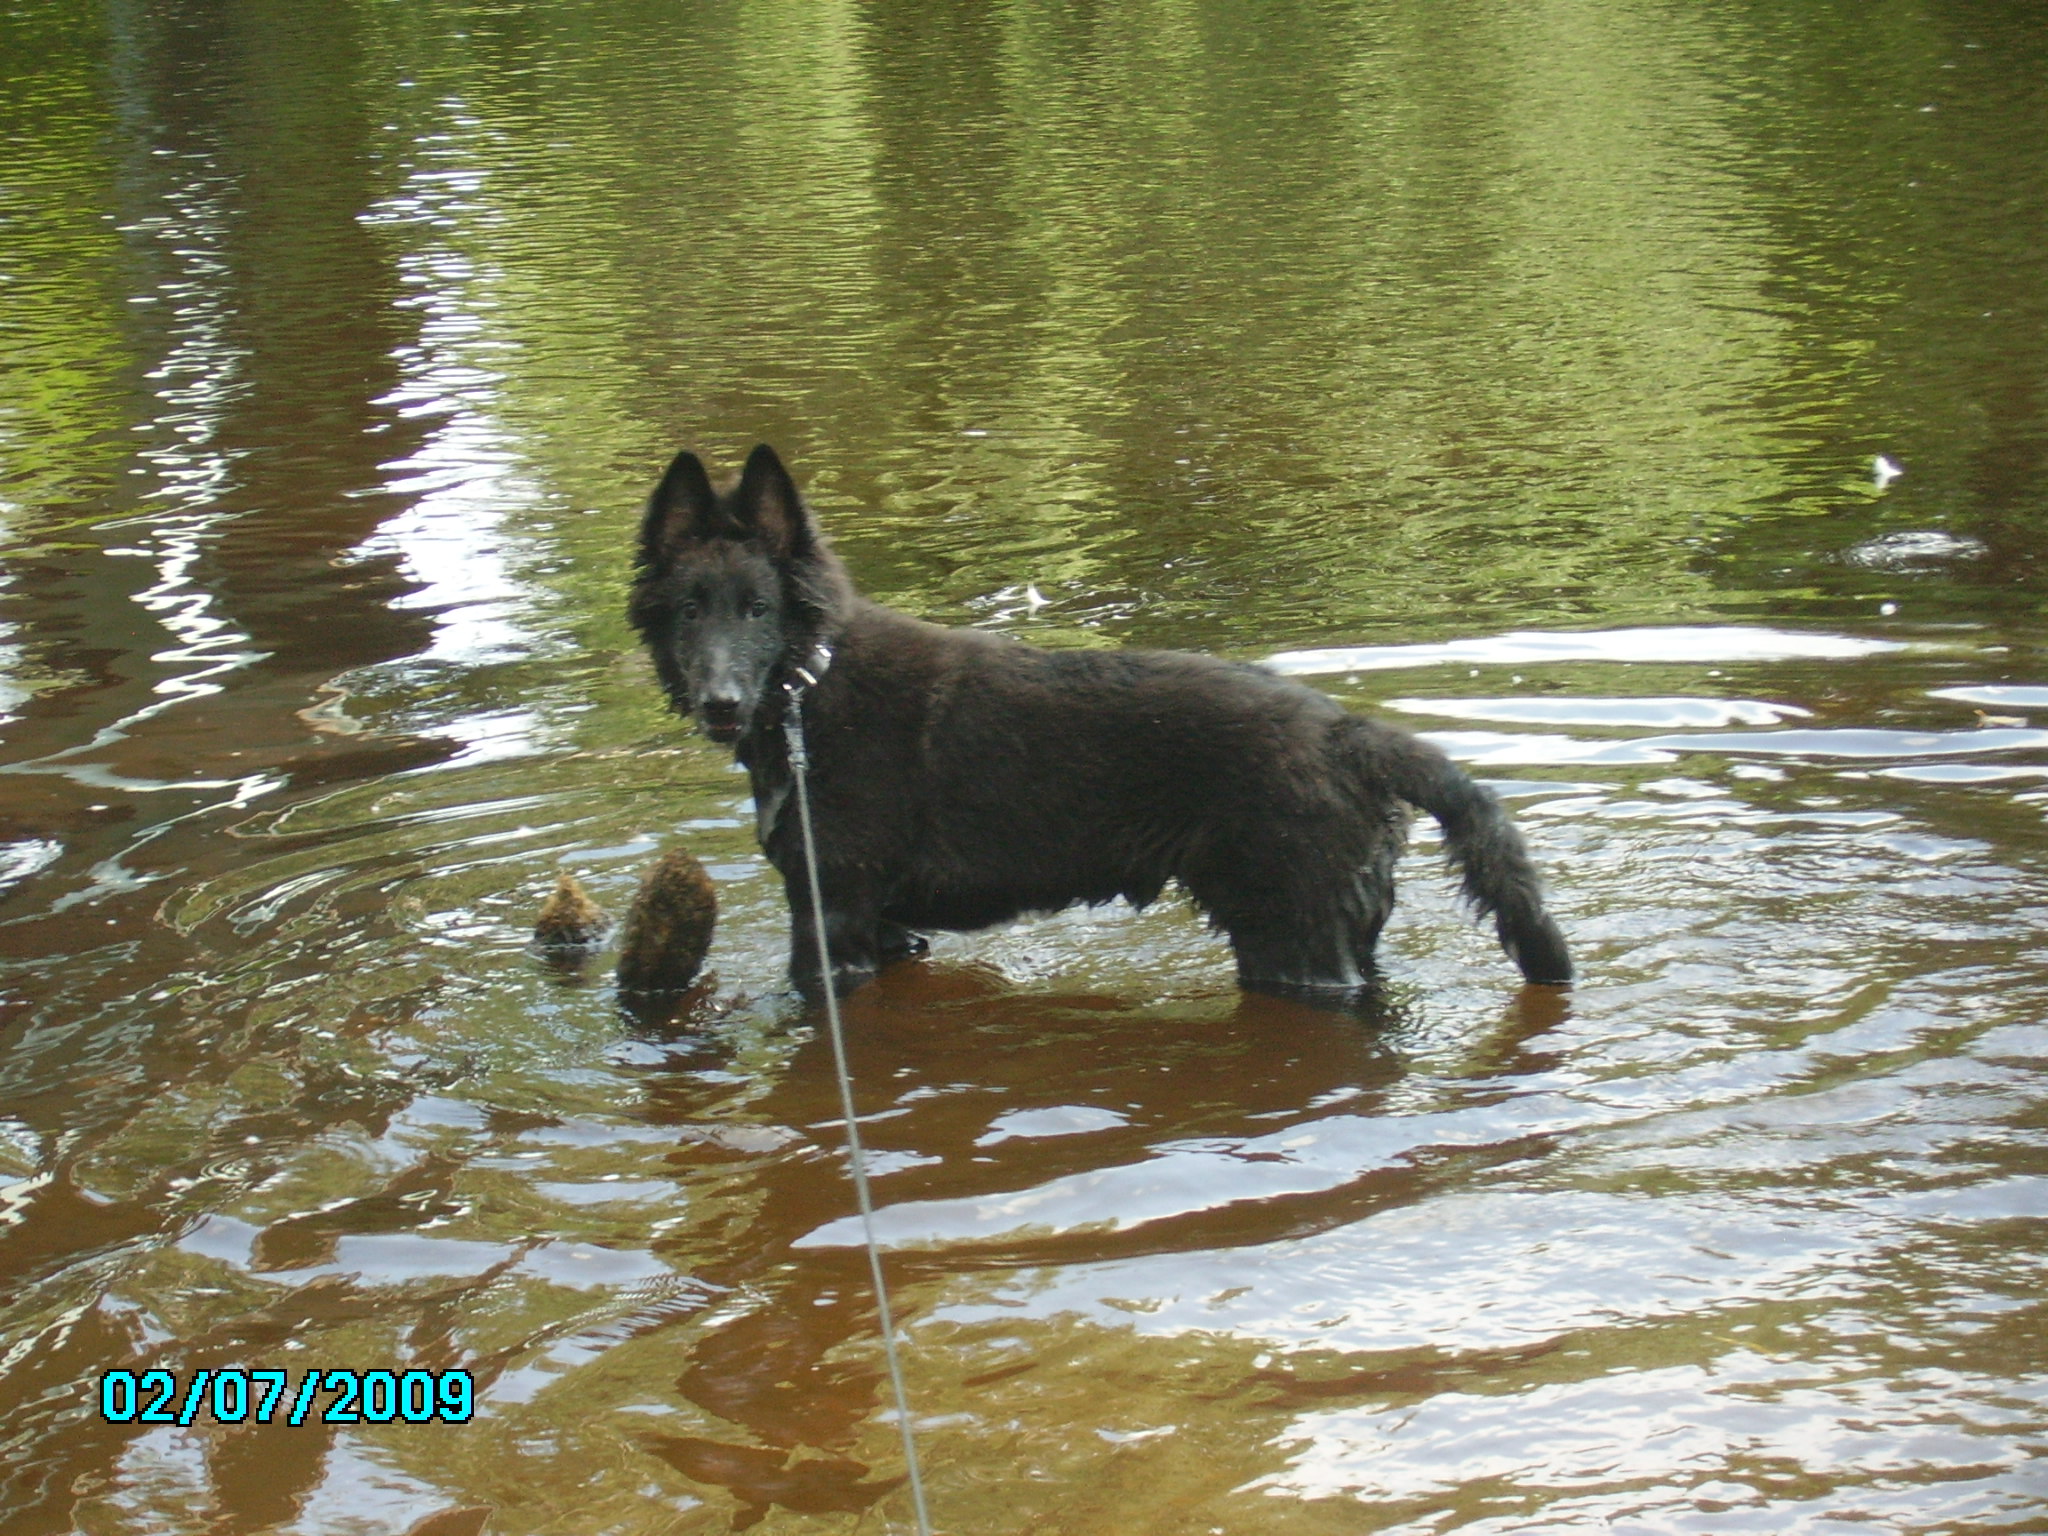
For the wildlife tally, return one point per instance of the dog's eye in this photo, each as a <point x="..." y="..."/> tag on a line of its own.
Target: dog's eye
<point x="687" y="609"/>
<point x="758" y="608"/>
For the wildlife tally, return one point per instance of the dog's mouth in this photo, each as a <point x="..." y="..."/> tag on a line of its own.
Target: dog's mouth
<point x="721" y="723"/>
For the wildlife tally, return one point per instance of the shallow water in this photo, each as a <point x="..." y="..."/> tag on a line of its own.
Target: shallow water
<point x="1520" y="371"/>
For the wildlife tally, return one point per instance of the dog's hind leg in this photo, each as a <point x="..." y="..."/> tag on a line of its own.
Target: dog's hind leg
<point x="1298" y="922"/>
<point x="1324" y="946"/>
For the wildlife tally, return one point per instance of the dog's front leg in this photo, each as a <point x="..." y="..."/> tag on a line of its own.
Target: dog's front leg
<point x="852" y="929"/>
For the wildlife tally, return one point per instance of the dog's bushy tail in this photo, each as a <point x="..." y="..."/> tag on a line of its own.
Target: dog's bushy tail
<point x="1479" y="839"/>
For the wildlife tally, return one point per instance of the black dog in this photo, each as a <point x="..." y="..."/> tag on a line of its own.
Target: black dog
<point x="960" y="778"/>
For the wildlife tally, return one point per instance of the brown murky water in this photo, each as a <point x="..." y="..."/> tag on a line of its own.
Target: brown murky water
<point x="1522" y="369"/>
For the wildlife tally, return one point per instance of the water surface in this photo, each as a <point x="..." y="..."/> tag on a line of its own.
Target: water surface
<point x="1521" y="371"/>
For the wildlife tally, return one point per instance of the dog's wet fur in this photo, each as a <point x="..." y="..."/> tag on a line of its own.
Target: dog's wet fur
<point x="960" y="778"/>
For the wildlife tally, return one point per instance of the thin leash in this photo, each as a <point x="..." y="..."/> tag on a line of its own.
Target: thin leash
<point x="799" y="764"/>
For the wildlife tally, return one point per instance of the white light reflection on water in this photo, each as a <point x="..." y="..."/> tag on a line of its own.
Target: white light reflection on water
<point x="466" y="478"/>
<point x="1616" y="712"/>
<point x="1680" y="644"/>
<point x="1493" y="748"/>
<point x="1741" y="1415"/>
<point x="189" y="201"/>
<point x="200" y="378"/>
<point x="17" y="687"/>
<point x="1999" y="695"/>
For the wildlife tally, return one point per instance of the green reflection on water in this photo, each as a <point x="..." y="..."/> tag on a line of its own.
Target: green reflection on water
<point x="1228" y="325"/>
<point x="1220" y="326"/>
<point x="62" y="352"/>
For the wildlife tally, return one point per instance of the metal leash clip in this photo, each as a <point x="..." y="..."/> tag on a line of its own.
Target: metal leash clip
<point x="806" y="678"/>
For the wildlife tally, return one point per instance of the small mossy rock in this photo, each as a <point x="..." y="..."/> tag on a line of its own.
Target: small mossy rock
<point x="569" y="919"/>
<point x="668" y="929"/>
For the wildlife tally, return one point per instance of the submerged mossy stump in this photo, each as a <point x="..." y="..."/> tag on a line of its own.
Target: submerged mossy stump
<point x="569" y="920"/>
<point x="668" y="929"/>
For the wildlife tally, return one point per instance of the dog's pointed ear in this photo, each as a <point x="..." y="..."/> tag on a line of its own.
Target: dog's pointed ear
<point x="771" y="507"/>
<point x="682" y="507"/>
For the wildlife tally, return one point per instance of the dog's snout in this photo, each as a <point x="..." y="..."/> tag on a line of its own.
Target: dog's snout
<point x="723" y="715"/>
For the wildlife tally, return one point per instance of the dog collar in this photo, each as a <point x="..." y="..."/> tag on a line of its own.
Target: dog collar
<point x="808" y="672"/>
